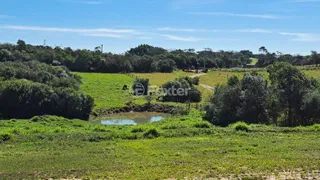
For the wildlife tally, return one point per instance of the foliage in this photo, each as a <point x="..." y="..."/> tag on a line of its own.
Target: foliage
<point x="141" y="87"/>
<point x="245" y="99"/>
<point x="292" y="86"/>
<point x="33" y="88"/>
<point x="241" y="126"/>
<point x="181" y="90"/>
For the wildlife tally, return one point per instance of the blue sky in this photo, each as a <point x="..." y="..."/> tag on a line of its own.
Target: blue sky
<point x="288" y="26"/>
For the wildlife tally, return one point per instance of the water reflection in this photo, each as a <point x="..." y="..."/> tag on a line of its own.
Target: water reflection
<point x="131" y="118"/>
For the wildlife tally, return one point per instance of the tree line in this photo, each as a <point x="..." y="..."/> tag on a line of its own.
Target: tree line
<point x="32" y="88"/>
<point x="290" y="99"/>
<point x="145" y="58"/>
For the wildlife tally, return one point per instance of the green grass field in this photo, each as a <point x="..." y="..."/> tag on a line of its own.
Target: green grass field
<point x="178" y="147"/>
<point x="254" y="61"/>
<point x="158" y="79"/>
<point x="106" y="89"/>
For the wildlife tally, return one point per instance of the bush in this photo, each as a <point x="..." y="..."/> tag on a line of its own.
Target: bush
<point x="5" y="136"/>
<point x="181" y="90"/>
<point x="316" y="127"/>
<point x="25" y="99"/>
<point x="241" y="126"/>
<point x="202" y="125"/>
<point x="136" y="130"/>
<point x="151" y="133"/>
<point x="196" y="80"/>
<point x="140" y="87"/>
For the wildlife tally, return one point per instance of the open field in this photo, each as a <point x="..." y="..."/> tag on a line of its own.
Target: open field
<point x="178" y="147"/>
<point x="106" y="89"/>
<point x="158" y="79"/>
<point x="254" y="61"/>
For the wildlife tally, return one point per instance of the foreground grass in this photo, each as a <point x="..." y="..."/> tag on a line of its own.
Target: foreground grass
<point x="178" y="147"/>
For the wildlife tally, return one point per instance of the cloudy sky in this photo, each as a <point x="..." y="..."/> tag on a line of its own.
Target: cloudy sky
<point x="288" y="26"/>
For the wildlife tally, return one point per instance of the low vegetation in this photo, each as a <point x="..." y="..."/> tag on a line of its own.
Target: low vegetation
<point x="184" y="146"/>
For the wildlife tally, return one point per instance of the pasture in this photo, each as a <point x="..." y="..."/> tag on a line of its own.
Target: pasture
<point x="179" y="147"/>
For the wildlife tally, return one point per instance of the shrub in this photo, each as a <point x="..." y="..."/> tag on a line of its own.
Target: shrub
<point x="5" y="136"/>
<point x="241" y="126"/>
<point x="137" y="129"/>
<point x="316" y="127"/>
<point x="140" y="87"/>
<point x="151" y="133"/>
<point x="196" y="80"/>
<point x="202" y="125"/>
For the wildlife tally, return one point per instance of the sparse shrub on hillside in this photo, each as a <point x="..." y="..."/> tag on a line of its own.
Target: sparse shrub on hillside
<point x="152" y="133"/>
<point x="5" y="136"/>
<point x="137" y="129"/>
<point x="196" y="80"/>
<point x="241" y="126"/>
<point x="202" y="125"/>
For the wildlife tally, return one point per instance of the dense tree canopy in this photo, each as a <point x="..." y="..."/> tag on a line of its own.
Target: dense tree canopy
<point x="32" y="88"/>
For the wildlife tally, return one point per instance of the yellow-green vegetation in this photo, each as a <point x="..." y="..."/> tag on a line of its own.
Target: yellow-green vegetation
<point x="106" y="89"/>
<point x="179" y="147"/>
<point x="158" y="79"/>
<point x="313" y="73"/>
<point x="254" y="61"/>
<point x="214" y="78"/>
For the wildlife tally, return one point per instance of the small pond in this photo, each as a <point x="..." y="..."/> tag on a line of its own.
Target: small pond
<point x="130" y="118"/>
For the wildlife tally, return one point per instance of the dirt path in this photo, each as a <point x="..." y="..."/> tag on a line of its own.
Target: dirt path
<point x="203" y="85"/>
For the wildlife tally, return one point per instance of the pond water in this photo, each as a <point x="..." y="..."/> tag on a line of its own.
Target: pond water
<point x="130" y="118"/>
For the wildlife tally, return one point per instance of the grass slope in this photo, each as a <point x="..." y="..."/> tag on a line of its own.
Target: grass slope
<point x="158" y="79"/>
<point x="106" y="89"/>
<point x="187" y="146"/>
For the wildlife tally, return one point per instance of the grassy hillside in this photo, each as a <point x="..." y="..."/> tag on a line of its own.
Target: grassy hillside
<point x="158" y="79"/>
<point x="106" y="89"/>
<point x="51" y="147"/>
<point x="254" y="61"/>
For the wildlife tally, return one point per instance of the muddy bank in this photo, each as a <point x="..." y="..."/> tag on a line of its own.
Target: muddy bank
<point x="160" y="108"/>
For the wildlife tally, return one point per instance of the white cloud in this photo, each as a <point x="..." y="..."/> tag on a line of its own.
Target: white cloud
<point x="253" y="31"/>
<point x="104" y="35"/>
<point x="260" y="16"/>
<point x="70" y="30"/>
<point x="179" y="38"/>
<point x="169" y="29"/>
<point x="303" y="37"/>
